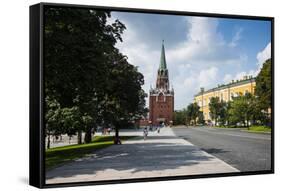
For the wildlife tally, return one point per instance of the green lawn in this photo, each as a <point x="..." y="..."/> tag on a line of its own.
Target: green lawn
<point x="259" y="129"/>
<point x="254" y="129"/>
<point x="223" y="127"/>
<point x="57" y="156"/>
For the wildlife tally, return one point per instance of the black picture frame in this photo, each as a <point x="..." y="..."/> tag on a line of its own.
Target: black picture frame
<point x="36" y="109"/>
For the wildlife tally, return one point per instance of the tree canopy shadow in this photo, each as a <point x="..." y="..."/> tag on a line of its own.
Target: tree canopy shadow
<point x="137" y="157"/>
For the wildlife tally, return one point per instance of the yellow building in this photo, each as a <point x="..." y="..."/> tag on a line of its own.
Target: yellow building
<point x="225" y="92"/>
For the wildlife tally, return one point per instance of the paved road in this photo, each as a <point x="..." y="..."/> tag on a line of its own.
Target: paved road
<point x="242" y="150"/>
<point x="160" y="155"/>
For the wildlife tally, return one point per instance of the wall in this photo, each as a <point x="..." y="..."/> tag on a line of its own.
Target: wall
<point x="224" y="94"/>
<point x="161" y="107"/>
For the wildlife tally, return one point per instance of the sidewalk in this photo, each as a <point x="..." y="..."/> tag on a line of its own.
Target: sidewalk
<point x="159" y="155"/>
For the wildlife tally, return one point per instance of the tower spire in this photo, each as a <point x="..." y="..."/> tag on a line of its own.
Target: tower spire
<point x="162" y="81"/>
<point x="163" y="65"/>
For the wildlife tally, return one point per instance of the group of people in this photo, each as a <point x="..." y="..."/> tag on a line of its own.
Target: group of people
<point x="106" y="131"/>
<point x="145" y="132"/>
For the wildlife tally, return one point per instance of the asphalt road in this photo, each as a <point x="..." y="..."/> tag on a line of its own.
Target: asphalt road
<point x="242" y="150"/>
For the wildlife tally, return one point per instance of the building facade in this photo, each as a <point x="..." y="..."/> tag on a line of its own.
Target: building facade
<point x="225" y="93"/>
<point x="161" y="98"/>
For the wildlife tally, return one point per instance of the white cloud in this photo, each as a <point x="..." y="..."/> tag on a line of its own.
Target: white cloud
<point x="202" y="40"/>
<point x="202" y="59"/>
<point x="140" y="54"/>
<point x="240" y="75"/>
<point x="236" y="38"/>
<point x="263" y="55"/>
<point x="198" y="33"/>
<point x="189" y="82"/>
<point x="227" y="78"/>
<point x="207" y="77"/>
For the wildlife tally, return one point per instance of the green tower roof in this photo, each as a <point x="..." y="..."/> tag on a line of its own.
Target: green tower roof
<point x="163" y="65"/>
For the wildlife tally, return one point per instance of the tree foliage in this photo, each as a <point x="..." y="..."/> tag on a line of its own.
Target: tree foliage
<point x="193" y="111"/>
<point x="179" y="117"/>
<point x="245" y="109"/>
<point x="201" y="118"/>
<point x="263" y="85"/>
<point x="90" y="82"/>
<point x="217" y="110"/>
<point x="191" y="115"/>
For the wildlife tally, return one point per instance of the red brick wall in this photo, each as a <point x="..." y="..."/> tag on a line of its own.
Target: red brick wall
<point x="161" y="108"/>
<point x="143" y="122"/>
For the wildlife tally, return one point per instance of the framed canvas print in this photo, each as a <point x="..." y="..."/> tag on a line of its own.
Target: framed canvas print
<point x="127" y="95"/>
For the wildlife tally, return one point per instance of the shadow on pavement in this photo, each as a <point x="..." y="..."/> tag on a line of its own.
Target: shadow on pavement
<point x="214" y="150"/>
<point x="134" y="158"/>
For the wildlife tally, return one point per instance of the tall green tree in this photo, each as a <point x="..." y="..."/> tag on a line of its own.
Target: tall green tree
<point x="79" y="43"/>
<point x="264" y="91"/>
<point x="195" y="113"/>
<point x="72" y="122"/>
<point x="241" y="110"/>
<point x="263" y="85"/>
<point x="125" y="98"/>
<point x="218" y="110"/>
<point x="79" y="50"/>
<point x="189" y="111"/>
<point x="53" y="119"/>
<point x="201" y="118"/>
<point x="215" y="108"/>
<point x="192" y="113"/>
<point x="223" y="113"/>
<point x="179" y="117"/>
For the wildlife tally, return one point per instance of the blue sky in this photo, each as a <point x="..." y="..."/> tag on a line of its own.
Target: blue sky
<point x="200" y="51"/>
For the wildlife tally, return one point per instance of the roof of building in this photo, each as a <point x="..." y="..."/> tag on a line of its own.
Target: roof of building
<point x="229" y="85"/>
<point x="163" y="65"/>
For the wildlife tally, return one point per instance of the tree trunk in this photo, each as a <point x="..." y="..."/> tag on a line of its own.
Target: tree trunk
<point x="88" y="135"/>
<point x="79" y="137"/>
<point x="215" y="121"/>
<point x="247" y="123"/>
<point x="116" y="138"/>
<point x="48" y="143"/>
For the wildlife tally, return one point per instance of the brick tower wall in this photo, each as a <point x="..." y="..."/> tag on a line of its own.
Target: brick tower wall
<point x="161" y="107"/>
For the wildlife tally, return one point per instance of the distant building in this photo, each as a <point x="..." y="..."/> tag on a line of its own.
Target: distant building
<point x="225" y="93"/>
<point x="161" y="98"/>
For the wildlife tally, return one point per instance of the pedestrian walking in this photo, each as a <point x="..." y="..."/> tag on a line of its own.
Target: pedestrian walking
<point x="145" y="133"/>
